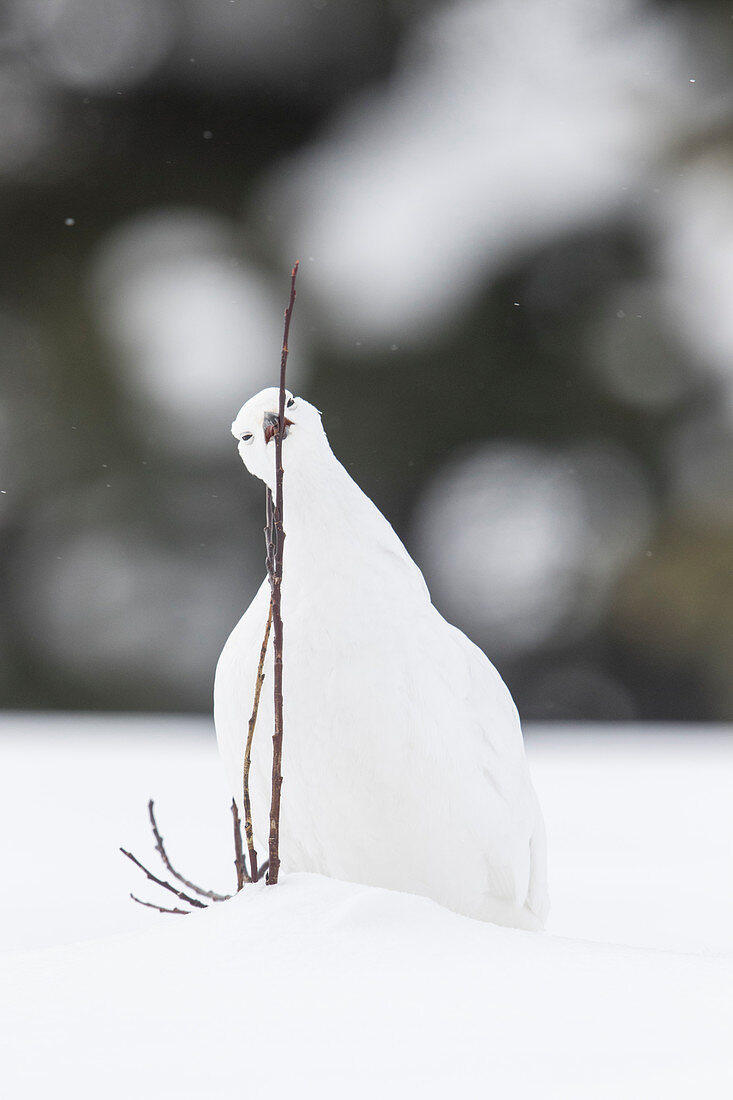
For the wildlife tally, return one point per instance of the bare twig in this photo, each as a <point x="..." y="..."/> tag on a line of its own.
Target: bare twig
<point x="161" y="882"/>
<point x="277" y="623"/>
<point x="239" y="866"/>
<point x="246" y="803"/>
<point x="270" y="535"/>
<point x="160" y="849"/>
<point x="275" y="539"/>
<point x="160" y="908"/>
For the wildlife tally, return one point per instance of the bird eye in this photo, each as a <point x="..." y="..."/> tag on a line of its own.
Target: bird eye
<point x="246" y="437"/>
<point x="291" y="402"/>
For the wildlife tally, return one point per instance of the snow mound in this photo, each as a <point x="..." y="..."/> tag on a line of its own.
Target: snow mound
<point x="325" y="988"/>
<point x="322" y="988"/>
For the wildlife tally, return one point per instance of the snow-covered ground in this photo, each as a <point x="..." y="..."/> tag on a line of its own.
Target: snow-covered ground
<point x="329" y="989"/>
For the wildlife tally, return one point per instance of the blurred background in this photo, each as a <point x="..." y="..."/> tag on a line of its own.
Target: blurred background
<point x="515" y="310"/>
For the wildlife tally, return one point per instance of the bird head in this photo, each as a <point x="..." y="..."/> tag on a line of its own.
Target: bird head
<point x="255" y="428"/>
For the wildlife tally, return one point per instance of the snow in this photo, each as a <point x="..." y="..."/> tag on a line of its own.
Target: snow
<point x="325" y="988"/>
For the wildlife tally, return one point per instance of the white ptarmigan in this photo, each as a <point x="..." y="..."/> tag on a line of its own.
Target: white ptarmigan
<point x="403" y="760"/>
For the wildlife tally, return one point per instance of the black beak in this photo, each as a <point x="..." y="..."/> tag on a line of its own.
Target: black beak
<point x="270" y="424"/>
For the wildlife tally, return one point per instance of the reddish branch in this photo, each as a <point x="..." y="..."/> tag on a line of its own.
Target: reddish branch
<point x="239" y="863"/>
<point x="277" y="623"/>
<point x="161" y="882"/>
<point x="160" y="849"/>
<point x="160" y="908"/>
<point x="239" y="866"/>
<point x="246" y="803"/>
<point x="275" y="539"/>
<point x="269" y="535"/>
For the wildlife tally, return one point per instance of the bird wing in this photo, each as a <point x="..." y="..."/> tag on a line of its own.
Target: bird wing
<point x="515" y="834"/>
<point x="234" y="684"/>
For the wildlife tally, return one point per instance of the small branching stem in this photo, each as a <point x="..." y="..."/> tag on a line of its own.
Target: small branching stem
<point x="239" y="866"/>
<point x="160" y="908"/>
<point x="246" y="802"/>
<point x="277" y="623"/>
<point x="161" y="882"/>
<point x="274" y="540"/>
<point x="160" y="849"/>
<point x="269" y="535"/>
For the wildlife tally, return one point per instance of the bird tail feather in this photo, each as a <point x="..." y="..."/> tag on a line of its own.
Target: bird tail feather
<point x="538" y="901"/>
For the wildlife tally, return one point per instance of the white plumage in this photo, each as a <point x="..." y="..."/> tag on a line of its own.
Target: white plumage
<point x="403" y="761"/>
